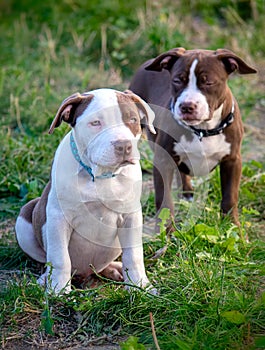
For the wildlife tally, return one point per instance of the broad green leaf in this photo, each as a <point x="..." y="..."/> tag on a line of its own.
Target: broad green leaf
<point x="164" y="215"/>
<point x="250" y="211"/>
<point x="132" y="344"/>
<point x="205" y="229"/>
<point x="47" y="321"/>
<point x="234" y="316"/>
<point x="206" y="232"/>
<point x="229" y="244"/>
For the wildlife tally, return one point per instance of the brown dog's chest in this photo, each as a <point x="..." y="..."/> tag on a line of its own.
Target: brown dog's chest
<point x="201" y="157"/>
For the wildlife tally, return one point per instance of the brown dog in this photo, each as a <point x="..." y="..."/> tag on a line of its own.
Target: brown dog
<point x="199" y="125"/>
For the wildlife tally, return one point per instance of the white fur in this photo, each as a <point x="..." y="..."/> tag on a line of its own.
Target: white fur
<point x="202" y="156"/>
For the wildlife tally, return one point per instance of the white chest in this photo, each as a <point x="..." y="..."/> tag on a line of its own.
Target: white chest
<point x="201" y="157"/>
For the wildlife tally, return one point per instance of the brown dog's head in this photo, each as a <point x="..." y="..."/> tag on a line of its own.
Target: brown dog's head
<point x="198" y="81"/>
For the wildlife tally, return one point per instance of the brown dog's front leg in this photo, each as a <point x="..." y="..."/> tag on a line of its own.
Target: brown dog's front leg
<point x="163" y="177"/>
<point x="162" y="183"/>
<point x="186" y="186"/>
<point x="230" y="172"/>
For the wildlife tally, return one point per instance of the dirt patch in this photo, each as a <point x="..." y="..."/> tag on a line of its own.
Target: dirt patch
<point x="22" y="345"/>
<point x="7" y="230"/>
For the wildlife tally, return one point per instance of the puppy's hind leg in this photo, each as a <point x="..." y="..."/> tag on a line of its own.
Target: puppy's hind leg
<point x="27" y="240"/>
<point x="25" y="234"/>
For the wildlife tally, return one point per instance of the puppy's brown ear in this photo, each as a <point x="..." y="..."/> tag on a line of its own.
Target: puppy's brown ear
<point x="70" y="109"/>
<point x="233" y="63"/>
<point x="144" y="110"/>
<point x="166" y="59"/>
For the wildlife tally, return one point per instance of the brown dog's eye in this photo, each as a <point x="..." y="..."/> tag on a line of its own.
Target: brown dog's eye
<point x="204" y="80"/>
<point x="179" y="80"/>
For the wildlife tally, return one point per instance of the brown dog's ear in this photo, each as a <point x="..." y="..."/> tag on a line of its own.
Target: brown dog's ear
<point x="166" y="59"/>
<point x="67" y="110"/>
<point x="233" y="63"/>
<point x="144" y="110"/>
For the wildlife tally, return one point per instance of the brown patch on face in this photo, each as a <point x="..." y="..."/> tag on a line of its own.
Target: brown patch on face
<point x="130" y="113"/>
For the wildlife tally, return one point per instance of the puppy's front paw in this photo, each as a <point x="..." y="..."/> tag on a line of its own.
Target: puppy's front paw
<point x="144" y="284"/>
<point x="152" y="290"/>
<point x="51" y="286"/>
<point x="42" y="279"/>
<point x="58" y="290"/>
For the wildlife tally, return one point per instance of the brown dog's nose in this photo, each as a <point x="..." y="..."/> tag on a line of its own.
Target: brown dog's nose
<point x="187" y="107"/>
<point x="123" y="148"/>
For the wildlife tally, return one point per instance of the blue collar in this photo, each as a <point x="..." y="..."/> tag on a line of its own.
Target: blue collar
<point x="76" y="155"/>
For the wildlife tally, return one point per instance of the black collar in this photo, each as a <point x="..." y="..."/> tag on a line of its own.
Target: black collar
<point x="216" y="131"/>
<point x="211" y="132"/>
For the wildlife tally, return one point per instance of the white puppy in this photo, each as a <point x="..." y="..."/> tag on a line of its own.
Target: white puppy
<point x="90" y="211"/>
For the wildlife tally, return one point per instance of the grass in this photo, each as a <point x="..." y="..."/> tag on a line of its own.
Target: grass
<point x="211" y="297"/>
<point x="210" y="282"/>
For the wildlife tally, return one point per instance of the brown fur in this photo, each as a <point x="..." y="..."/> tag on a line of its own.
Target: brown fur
<point x="129" y="110"/>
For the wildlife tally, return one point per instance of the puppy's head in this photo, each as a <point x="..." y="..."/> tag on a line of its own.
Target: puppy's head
<point x="106" y="125"/>
<point x="198" y="81"/>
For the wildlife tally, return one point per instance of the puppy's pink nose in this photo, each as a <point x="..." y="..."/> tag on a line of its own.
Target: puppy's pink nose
<point x="187" y="107"/>
<point x="123" y="148"/>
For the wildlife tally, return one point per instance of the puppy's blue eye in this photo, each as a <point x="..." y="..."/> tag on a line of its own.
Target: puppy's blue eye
<point x="96" y="123"/>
